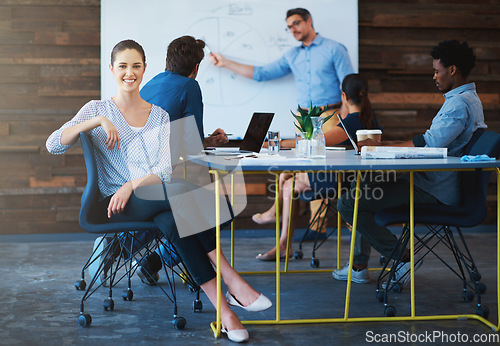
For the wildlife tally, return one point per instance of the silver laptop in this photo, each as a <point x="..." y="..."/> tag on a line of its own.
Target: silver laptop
<point x="356" y="151"/>
<point x="253" y="139"/>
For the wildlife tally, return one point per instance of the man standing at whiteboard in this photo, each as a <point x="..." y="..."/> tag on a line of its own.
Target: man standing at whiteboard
<point x="318" y="65"/>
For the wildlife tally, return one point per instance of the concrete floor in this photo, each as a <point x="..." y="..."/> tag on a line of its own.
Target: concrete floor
<point x="39" y="304"/>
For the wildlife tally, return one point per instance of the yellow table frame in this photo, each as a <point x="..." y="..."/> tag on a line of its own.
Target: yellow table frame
<point x="216" y="325"/>
<point x="339" y="221"/>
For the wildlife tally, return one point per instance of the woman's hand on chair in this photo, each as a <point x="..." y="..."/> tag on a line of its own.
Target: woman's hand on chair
<point x="112" y="136"/>
<point x="119" y="199"/>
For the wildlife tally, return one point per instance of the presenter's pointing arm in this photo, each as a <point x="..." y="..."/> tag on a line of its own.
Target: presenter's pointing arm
<point x="219" y="60"/>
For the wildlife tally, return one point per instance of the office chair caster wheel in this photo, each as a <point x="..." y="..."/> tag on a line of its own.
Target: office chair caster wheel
<point x="468" y="296"/>
<point x="483" y="311"/>
<point x="397" y="288"/>
<point x="179" y="322"/>
<point x="80" y="285"/>
<point x="298" y="255"/>
<point x="481" y="288"/>
<point x="128" y="295"/>
<point x="381" y="297"/>
<point x="383" y="261"/>
<point x="84" y="320"/>
<point x="315" y="263"/>
<point x="108" y="304"/>
<point x="476" y="276"/>
<point x="197" y="306"/>
<point x="390" y="311"/>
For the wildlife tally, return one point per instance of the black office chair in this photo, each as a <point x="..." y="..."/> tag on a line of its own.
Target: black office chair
<point x="471" y="213"/>
<point x="318" y="220"/>
<point x="122" y="251"/>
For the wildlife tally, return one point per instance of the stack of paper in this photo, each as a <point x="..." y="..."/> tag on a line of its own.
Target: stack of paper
<point x="403" y="152"/>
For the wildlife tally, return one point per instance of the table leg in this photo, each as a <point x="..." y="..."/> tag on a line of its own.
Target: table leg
<point x="218" y="322"/>
<point x="278" y="264"/>
<point x="353" y="236"/>
<point x="339" y="220"/>
<point x="289" y="237"/>
<point x="412" y="245"/>
<point x="232" y="222"/>
<point x="498" y="248"/>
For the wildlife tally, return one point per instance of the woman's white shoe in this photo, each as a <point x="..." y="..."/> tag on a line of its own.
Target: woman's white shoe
<point x="260" y="304"/>
<point x="237" y="335"/>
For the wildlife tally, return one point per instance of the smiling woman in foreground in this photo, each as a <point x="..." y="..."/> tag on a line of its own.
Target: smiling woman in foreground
<point x="132" y="138"/>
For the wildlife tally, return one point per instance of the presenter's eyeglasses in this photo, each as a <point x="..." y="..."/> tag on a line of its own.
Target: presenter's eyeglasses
<point x="294" y="24"/>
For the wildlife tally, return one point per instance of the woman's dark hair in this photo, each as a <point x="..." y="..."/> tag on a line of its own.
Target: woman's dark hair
<point x="183" y="54"/>
<point x="452" y="52"/>
<point x="356" y="88"/>
<point x="124" y="45"/>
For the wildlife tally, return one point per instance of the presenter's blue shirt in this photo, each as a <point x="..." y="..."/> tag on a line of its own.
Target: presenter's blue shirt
<point x="318" y="69"/>
<point x="180" y="96"/>
<point x="452" y="128"/>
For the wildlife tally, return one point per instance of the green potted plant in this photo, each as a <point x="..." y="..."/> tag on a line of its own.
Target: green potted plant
<point x="303" y="117"/>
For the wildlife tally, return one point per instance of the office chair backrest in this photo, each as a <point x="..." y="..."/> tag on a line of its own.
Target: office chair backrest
<point x="90" y="196"/>
<point x="91" y="218"/>
<point x="475" y="183"/>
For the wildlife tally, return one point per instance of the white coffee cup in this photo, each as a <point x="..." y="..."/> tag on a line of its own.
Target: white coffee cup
<point x="376" y="135"/>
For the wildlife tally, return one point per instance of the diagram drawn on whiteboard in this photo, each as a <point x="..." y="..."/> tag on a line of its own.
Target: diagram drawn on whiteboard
<point x="237" y="41"/>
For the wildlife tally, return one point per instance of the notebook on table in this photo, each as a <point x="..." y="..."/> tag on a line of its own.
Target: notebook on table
<point x="254" y="137"/>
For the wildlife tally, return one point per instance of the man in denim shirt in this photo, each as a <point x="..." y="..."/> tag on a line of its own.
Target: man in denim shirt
<point x="452" y="128"/>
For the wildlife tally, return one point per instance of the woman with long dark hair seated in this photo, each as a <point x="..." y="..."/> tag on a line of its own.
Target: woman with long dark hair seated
<point x="360" y="116"/>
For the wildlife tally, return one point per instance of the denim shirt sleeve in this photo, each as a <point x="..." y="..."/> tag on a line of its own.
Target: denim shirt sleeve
<point x="274" y="70"/>
<point x="448" y="124"/>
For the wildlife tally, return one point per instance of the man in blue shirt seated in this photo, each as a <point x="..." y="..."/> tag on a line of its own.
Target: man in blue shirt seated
<point x="176" y="89"/>
<point x="318" y="65"/>
<point x="177" y="92"/>
<point x="452" y="127"/>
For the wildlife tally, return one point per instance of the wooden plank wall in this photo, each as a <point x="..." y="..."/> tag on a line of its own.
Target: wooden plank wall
<point x="50" y="63"/>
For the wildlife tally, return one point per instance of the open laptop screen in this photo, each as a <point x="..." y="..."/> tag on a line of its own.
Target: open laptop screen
<point x="256" y="132"/>
<point x="356" y="151"/>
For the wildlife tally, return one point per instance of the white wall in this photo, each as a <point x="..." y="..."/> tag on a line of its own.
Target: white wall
<point x="251" y="32"/>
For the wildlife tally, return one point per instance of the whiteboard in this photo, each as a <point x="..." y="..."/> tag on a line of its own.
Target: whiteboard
<point x="249" y="32"/>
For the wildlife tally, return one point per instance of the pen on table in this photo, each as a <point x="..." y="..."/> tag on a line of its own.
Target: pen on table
<point x="216" y="134"/>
